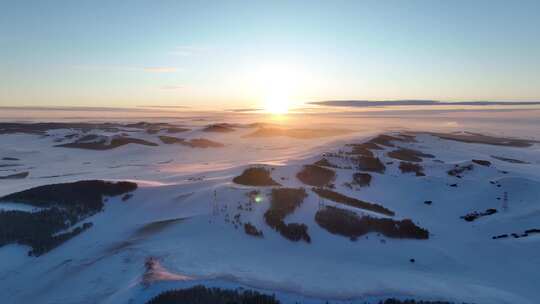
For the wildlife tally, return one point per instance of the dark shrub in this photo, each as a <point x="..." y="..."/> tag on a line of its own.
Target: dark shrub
<point x="102" y="145"/>
<point x="252" y="230"/>
<point x="353" y="202"/>
<point x="202" y="295"/>
<point x="19" y="175"/>
<point x="481" y="162"/>
<point x="220" y="128"/>
<point x="324" y="163"/>
<point x="510" y="160"/>
<point x="367" y="145"/>
<point x="406" y="167"/>
<point x="385" y="140"/>
<point x="347" y="223"/>
<point x="362" y="149"/>
<point x="458" y="170"/>
<point x="284" y="201"/>
<point x="408" y="155"/>
<point x="372" y="164"/>
<point x="194" y="143"/>
<point x="255" y="176"/>
<point x="362" y="179"/>
<point x="470" y="217"/>
<point x="316" y="176"/>
<point x="410" y="301"/>
<point x="169" y="140"/>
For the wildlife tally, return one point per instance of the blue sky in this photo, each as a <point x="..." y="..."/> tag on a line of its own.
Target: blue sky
<point x="238" y="53"/>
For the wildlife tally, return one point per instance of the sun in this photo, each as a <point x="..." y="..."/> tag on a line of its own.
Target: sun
<point x="276" y="86"/>
<point x="277" y="105"/>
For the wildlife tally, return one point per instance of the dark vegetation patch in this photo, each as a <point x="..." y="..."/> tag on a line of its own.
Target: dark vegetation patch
<point x="316" y="176"/>
<point x="509" y="160"/>
<point x="252" y="230"/>
<point x="204" y="143"/>
<point x="103" y="145"/>
<point x="409" y="155"/>
<point x="352" y="202"/>
<point x="323" y="162"/>
<point x="65" y="206"/>
<point x="219" y="128"/>
<point x="362" y="179"/>
<point x="471" y="217"/>
<point x="363" y="149"/>
<point x="386" y="140"/>
<point x="283" y="202"/>
<point x="406" y="167"/>
<point x="347" y="223"/>
<point x="165" y="128"/>
<point x="194" y="143"/>
<point x="372" y="164"/>
<point x="202" y="295"/>
<point x="174" y="130"/>
<point x="517" y="235"/>
<point x="9" y="165"/>
<point x="367" y="145"/>
<point x="19" y="175"/>
<point x="9" y="158"/>
<point x="482" y="162"/>
<point x="476" y="138"/>
<point x="411" y="301"/>
<point x="170" y="140"/>
<point x="255" y="176"/>
<point x="460" y="169"/>
<point x="42" y="128"/>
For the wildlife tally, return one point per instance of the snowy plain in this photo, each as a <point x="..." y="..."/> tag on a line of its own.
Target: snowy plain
<point x="179" y="186"/>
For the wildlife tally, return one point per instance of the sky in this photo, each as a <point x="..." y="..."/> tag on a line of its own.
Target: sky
<point x="238" y="54"/>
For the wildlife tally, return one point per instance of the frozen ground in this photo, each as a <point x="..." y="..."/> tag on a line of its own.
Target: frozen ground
<point x="173" y="218"/>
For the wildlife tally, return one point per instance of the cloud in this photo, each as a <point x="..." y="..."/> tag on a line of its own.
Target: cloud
<point x="124" y="68"/>
<point x="162" y="69"/>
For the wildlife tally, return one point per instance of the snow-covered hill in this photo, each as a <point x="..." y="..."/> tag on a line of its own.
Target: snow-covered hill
<point x="187" y="217"/>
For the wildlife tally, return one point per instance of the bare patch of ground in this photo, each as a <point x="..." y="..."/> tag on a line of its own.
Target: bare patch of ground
<point x="155" y="272"/>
